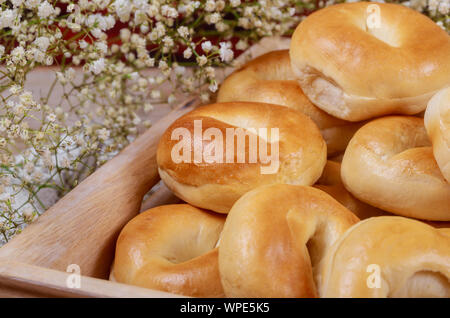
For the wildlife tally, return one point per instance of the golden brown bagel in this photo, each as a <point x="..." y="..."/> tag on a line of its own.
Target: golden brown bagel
<point x="355" y="66"/>
<point x="269" y="79"/>
<point x="216" y="186"/>
<point x="437" y="123"/>
<point x="275" y="236"/>
<point x="331" y="183"/>
<point x="413" y="259"/>
<point x="171" y="248"/>
<point x="389" y="164"/>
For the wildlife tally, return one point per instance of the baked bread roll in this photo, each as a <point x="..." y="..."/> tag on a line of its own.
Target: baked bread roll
<point x="171" y="248"/>
<point x="361" y="60"/>
<point x="388" y="256"/>
<point x="389" y="164"/>
<point x="437" y="123"/>
<point x="269" y="79"/>
<point x="331" y="183"/>
<point x="217" y="184"/>
<point x="274" y="238"/>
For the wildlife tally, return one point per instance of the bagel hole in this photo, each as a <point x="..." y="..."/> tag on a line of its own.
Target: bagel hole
<point x="386" y="35"/>
<point x="386" y="32"/>
<point x="317" y="246"/>
<point x="424" y="284"/>
<point x="186" y="253"/>
<point x="328" y="93"/>
<point x="314" y="246"/>
<point x="322" y="90"/>
<point x="191" y="247"/>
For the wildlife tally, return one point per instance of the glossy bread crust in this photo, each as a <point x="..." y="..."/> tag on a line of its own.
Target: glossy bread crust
<point x="389" y="164"/>
<point x="409" y="258"/>
<point x="437" y="123"/>
<point x="275" y="236"/>
<point x="171" y="248"/>
<point x="216" y="186"/>
<point x="355" y="71"/>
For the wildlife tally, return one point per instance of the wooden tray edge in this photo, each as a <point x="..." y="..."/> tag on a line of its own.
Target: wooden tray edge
<point x="24" y="280"/>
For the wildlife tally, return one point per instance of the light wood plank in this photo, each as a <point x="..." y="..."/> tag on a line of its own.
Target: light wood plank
<point x="23" y="280"/>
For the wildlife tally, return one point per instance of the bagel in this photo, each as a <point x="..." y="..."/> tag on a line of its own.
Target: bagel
<point x="437" y="123"/>
<point x="331" y="183"/>
<point x="274" y="238"/>
<point x="389" y="164"/>
<point x="410" y="258"/>
<point x="269" y="79"/>
<point x="216" y="185"/>
<point x="171" y="248"/>
<point x="362" y="60"/>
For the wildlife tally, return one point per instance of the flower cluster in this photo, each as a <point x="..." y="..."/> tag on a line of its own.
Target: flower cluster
<point x="438" y="10"/>
<point x="113" y="62"/>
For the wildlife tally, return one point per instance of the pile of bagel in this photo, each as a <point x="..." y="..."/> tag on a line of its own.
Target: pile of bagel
<point x="360" y="203"/>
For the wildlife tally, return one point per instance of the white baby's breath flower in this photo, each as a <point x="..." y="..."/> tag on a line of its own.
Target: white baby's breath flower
<point x="213" y="18"/>
<point x="83" y="44"/>
<point x="220" y="5"/>
<point x="210" y="72"/>
<point x="51" y="117"/>
<point x="187" y="53"/>
<point x="45" y="10"/>
<point x="226" y="54"/>
<point x="97" y="66"/>
<point x="169" y="11"/>
<point x="7" y="18"/>
<point x="42" y="43"/>
<point x="235" y="3"/>
<point x="15" y="89"/>
<point x="28" y="213"/>
<point x="18" y="55"/>
<point x="17" y="3"/>
<point x="444" y="7"/>
<point x="26" y="98"/>
<point x="202" y="60"/>
<point x="148" y="107"/>
<point x="31" y="4"/>
<point x="168" y="41"/>
<point x="241" y="45"/>
<point x="70" y="74"/>
<point x="125" y="35"/>
<point x="206" y="46"/>
<point x="102" y="47"/>
<point x="103" y="134"/>
<point x="123" y="9"/>
<point x="64" y="162"/>
<point x="156" y="94"/>
<point x="183" y="31"/>
<point x="210" y="5"/>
